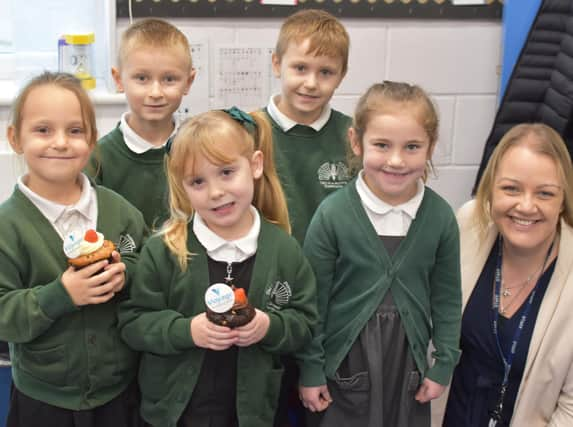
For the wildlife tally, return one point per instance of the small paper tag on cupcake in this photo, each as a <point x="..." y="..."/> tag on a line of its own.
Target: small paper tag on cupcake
<point x="219" y="297"/>
<point x="72" y="244"/>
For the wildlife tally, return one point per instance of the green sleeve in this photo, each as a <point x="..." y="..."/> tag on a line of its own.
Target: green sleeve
<point x="26" y="312"/>
<point x="446" y="305"/>
<point x="146" y="322"/>
<point x="321" y="249"/>
<point x="290" y="328"/>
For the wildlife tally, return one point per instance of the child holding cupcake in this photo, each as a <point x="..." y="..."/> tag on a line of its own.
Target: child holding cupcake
<point x="228" y="230"/>
<point x="69" y="366"/>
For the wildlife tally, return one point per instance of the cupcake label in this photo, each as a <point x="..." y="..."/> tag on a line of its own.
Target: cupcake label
<point x="219" y="297"/>
<point x="72" y="244"/>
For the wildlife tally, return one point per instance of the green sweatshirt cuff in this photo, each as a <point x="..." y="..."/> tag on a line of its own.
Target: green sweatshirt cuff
<point x="440" y="373"/>
<point x="54" y="300"/>
<point x="180" y="334"/>
<point x="311" y="374"/>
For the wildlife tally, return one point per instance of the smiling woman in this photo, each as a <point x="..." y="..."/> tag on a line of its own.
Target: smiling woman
<point x="517" y="280"/>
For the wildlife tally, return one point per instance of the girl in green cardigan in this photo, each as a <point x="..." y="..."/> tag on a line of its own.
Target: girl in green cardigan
<point x="385" y="252"/>
<point x="229" y="226"/>
<point x="69" y="365"/>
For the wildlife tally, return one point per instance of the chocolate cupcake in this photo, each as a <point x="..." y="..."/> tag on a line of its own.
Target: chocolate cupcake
<point x="239" y="314"/>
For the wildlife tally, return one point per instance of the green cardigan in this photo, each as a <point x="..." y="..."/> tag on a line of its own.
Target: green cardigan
<point x="66" y="356"/>
<point x="311" y="165"/>
<point x="156" y="320"/>
<point x="354" y="272"/>
<point x="140" y="178"/>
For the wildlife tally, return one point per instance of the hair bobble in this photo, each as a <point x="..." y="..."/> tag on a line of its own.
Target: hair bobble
<point x="244" y="118"/>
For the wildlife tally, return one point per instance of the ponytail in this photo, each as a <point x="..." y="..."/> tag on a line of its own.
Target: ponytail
<point x="269" y="197"/>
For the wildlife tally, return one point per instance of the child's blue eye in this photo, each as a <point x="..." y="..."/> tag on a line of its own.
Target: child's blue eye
<point x="382" y="145"/>
<point x="327" y="72"/>
<point x="299" y="68"/>
<point x="170" y="79"/>
<point x="412" y="147"/>
<point x="141" y="78"/>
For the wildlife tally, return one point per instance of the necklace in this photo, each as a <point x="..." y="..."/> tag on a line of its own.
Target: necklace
<point x="228" y="278"/>
<point x="504" y="308"/>
<point x="506" y="290"/>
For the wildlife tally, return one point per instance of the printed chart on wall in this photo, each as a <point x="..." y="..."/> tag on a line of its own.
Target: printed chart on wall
<point x="243" y="76"/>
<point x="417" y="9"/>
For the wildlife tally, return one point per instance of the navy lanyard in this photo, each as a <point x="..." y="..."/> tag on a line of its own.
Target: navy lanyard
<point x="508" y="361"/>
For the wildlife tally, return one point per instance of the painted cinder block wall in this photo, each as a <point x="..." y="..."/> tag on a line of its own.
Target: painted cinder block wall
<point x="457" y="62"/>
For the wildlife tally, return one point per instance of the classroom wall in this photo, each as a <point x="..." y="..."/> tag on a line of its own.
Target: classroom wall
<point x="456" y="61"/>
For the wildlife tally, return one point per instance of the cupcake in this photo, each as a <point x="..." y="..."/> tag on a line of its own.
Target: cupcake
<point x="91" y="248"/>
<point x="239" y="314"/>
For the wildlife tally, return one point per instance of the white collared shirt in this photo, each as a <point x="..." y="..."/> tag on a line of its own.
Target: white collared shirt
<point x="389" y="220"/>
<point x="136" y="143"/>
<point x="228" y="251"/>
<point x="287" y="124"/>
<point x="79" y="217"/>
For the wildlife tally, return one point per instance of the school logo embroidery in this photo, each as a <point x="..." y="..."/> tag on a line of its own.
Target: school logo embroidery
<point x="278" y="295"/>
<point x="333" y="174"/>
<point x="126" y="244"/>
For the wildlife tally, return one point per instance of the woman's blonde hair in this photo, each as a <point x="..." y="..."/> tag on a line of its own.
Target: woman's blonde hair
<point x="201" y="136"/>
<point x="389" y="97"/>
<point x="546" y="142"/>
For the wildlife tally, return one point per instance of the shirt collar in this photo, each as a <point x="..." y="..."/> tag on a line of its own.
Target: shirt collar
<point x="375" y="204"/>
<point x="136" y="143"/>
<point x="220" y="249"/>
<point x="287" y="124"/>
<point x="52" y="211"/>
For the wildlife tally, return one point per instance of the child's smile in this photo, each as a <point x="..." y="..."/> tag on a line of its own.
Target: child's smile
<point x="52" y="139"/>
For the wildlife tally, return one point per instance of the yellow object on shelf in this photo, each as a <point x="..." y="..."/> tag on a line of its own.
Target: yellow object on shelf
<point x="75" y="57"/>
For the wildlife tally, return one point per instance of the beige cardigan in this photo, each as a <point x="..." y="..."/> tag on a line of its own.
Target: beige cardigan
<point x="545" y="396"/>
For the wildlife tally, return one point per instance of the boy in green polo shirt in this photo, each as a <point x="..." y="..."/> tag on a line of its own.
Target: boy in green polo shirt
<point x="310" y="59"/>
<point x="155" y="71"/>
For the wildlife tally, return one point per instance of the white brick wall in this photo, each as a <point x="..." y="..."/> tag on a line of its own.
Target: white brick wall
<point x="456" y="61"/>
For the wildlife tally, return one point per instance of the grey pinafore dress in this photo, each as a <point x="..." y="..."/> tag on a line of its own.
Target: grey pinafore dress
<point x="376" y="382"/>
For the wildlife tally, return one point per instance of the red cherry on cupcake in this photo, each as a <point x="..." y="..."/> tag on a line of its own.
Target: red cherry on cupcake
<point x="90" y="236"/>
